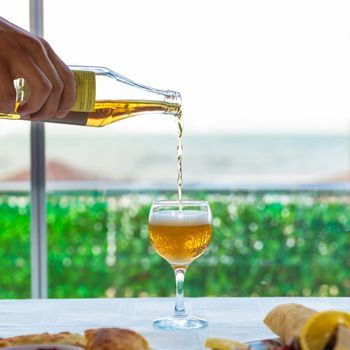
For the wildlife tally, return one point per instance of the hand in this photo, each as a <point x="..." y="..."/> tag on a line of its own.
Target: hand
<point x="52" y="85"/>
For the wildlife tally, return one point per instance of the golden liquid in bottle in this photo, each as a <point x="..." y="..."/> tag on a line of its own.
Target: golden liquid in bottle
<point x="110" y="111"/>
<point x="180" y="244"/>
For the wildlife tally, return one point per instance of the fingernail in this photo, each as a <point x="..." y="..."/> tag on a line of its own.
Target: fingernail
<point x="61" y="115"/>
<point x="22" y="112"/>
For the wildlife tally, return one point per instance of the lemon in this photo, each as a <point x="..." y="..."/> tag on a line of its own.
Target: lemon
<point x="319" y="328"/>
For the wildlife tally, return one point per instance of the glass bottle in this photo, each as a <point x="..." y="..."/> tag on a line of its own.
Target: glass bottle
<point x="104" y="97"/>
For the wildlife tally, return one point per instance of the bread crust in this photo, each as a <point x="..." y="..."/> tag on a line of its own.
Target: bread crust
<point x="63" y="338"/>
<point x="114" y="339"/>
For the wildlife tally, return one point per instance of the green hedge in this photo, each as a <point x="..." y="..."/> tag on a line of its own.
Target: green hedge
<point x="263" y="244"/>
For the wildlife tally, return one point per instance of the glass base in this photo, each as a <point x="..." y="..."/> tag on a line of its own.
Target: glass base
<point x="180" y="323"/>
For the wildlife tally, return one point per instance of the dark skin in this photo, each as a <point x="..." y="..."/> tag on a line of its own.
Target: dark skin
<point x="52" y="85"/>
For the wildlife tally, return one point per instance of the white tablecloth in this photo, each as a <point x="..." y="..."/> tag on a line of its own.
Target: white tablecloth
<point x="235" y="318"/>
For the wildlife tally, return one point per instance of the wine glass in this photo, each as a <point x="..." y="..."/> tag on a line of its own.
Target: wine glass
<point x="180" y="232"/>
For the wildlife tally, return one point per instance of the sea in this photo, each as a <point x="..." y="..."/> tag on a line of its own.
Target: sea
<point x="212" y="160"/>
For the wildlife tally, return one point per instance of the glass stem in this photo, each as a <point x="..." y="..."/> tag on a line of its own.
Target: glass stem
<point x="179" y="310"/>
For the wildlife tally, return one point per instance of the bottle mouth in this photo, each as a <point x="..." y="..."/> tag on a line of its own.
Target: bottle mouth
<point x="173" y="97"/>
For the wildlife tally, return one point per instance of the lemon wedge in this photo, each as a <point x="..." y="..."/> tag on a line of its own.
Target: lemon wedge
<point x="320" y="327"/>
<point x="224" y="344"/>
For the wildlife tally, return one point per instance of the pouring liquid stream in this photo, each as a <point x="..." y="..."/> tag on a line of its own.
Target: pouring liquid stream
<point x="179" y="121"/>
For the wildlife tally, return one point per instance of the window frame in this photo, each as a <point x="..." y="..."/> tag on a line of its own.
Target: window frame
<point x="38" y="226"/>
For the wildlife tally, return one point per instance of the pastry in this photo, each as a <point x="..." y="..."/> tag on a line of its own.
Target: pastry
<point x="63" y="338"/>
<point x="287" y="320"/>
<point x="114" y="339"/>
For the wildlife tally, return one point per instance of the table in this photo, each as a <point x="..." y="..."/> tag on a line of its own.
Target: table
<point x="234" y="318"/>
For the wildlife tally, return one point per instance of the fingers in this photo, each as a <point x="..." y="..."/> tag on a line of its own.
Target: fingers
<point x="40" y="87"/>
<point x="68" y="94"/>
<point x="51" y="83"/>
<point x="7" y="91"/>
<point x="41" y="59"/>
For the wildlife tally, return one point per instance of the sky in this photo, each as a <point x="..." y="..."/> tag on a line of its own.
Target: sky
<point x="252" y="66"/>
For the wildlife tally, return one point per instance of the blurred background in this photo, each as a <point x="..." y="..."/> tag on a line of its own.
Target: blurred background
<point x="266" y="102"/>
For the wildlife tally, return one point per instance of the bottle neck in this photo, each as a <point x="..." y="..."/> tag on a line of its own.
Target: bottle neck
<point x="173" y="101"/>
